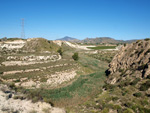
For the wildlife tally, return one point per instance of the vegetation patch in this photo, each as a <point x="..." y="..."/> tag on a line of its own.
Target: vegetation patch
<point x="102" y="47"/>
<point x="138" y="94"/>
<point x="85" y="85"/>
<point x="145" y="86"/>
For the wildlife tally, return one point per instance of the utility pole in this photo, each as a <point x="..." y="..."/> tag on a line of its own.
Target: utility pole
<point x="22" y="27"/>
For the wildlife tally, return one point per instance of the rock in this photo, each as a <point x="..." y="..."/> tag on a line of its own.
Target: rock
<point x="131" y="60"/>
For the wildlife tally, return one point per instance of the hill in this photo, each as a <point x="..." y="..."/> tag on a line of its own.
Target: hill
<point x="104" y="40"/>
<point x="67" y="38"/>
<point x="98" y="40"/>
<point x="40" y="44"/>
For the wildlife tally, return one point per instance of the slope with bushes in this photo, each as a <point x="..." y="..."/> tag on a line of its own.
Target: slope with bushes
<point x="127" y="88"/>
<point x="39" y="45"/>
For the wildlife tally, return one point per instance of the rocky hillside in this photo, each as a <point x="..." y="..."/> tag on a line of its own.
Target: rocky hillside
<point x="128" y="80"/>
<point x="132" y="60"/>
<point x="127" y="88"/>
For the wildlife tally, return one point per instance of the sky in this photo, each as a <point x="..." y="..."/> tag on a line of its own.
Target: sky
<point x="54" y="19"/>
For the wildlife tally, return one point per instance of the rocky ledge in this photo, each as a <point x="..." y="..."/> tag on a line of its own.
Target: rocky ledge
<point x="133" y="60"/>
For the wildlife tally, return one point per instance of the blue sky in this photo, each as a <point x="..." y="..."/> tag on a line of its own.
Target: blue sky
<point x="53" y="19"/>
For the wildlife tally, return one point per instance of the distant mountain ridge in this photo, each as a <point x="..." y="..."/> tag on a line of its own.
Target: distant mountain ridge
<point x="97" y="40"/>
<point x="67" y="38"/>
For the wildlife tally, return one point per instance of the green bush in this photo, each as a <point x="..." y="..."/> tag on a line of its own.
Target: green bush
<point x="12" y="85"/>
<point x="124" y="92"/>
<point x="1" y="72"/>
<point x="124" y="83"/>
<point x="109" y="86"/>
<point x="60" y="51"/>
<point x="144" y="102"/>
<point x="115" y="98"/>
<point x="128" y="104"/>
<point x="135" y="81"/>
<point x="18" y="80"/>
<point x="138" y="94"/>
<point x="147" y="39"/>
<point x="102" y="47"/>
<point x="105" y="110"/>
<point x="144" y="110"/>
<point x="128" y="110"/>
<point x="75" y="56"/>
<point x="148" y="77"/>
<point x="145" y="86"/>
<point x="19" y="97"/>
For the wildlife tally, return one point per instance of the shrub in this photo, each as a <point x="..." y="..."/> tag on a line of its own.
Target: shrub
<point x="75" y="56"/>
<point x="117" y="107"/>
<point x="121" y="70"/>
<point x="48" y="101"/>
<point x="138" y="94"/>
<point x="124" y="92"/>
<point x="12" y="85"/>
<point x="119" y="110"/>
<point x="18" y="80"/>
<point x="144" y="102"/>
<point x="60" y="51"/>
<point x="105" y="110"/>
<point x="135" y="81"/>
<point x="35" y="99"/>
<point x="115" y="98"/>
<point x="19" y="97"/>
<point x="147" y="39"/>
<point x="128" y="104"/>
<point x="109" y="86"/>
<point x="128" y="110"/>
<point x="144" y="110"/>
<point x="145" y="86"/>
<point x="1" y="72"/>
<point x="148" y="77"/>
<point x="124" y="83"/>
<point x="35" y="95"/>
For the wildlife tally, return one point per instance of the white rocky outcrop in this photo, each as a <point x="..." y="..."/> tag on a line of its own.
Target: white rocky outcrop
<point x="73" y="45"/>
<point x="60" y="77"/>
<point x="10" y="105"/>
<point x="17" y="44"/>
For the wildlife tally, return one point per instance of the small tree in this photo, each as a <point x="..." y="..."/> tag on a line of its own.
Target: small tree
<point x="75" y="56"/>
<point x="4" y="39"/>
<point x="60" y="51"/>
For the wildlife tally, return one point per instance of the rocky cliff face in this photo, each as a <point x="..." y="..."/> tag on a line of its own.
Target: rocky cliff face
<point x="133" y="60"/>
